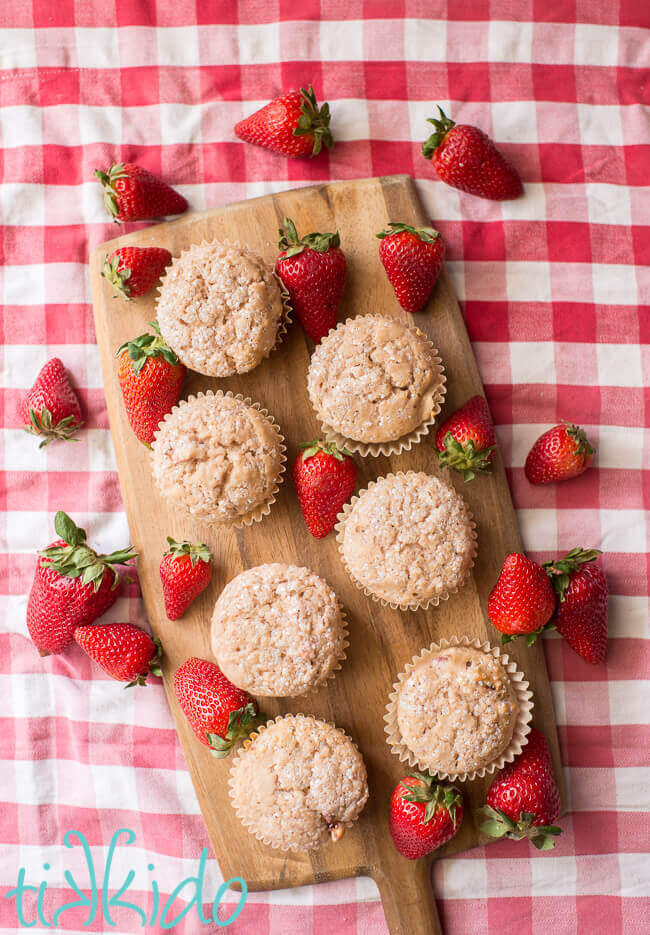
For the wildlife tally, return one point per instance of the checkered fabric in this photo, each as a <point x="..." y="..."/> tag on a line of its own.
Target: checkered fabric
<point x="552" y="287"/>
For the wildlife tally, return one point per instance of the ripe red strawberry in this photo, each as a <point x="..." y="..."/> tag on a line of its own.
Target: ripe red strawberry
<point x="219" y="713"/>
<point x="185" y="571"/>
<point x="581" y="615"/>
<point x="124" y="651"/>
<point x="132" y="271"/>
<point x="560" y="453"/>
<point x="412" y="258"/>
<point x="292" y="125"/>
<point x="73" y="585"/>
<point x="522" y="601"/>
<point x="523" y="801"/>
<point x="51" y="408"/>
<point x="150" y="377"/>
<point x="131" y="193"/>
<point x="466" y="440"/>
<point x="466" y="158"/>
<point x="424" y="815"/>
<point x="324" y="478"/>
<point x="313" y="270"/>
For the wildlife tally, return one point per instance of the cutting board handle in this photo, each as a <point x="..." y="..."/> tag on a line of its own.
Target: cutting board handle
<point x="407" y="897"/>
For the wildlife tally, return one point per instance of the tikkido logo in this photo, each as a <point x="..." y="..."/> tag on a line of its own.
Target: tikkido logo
<point x="98" y="901"/>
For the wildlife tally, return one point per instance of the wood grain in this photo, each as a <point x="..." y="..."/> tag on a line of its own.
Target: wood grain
<point x="382" y="640"/>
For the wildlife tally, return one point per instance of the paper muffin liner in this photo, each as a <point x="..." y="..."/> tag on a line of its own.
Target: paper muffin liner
<point x="285" y="315"/>
<point x="261" y="510"/>
<point x="241" y="751"/>
<point x="405" y="442"/>
<point x="414" y="605"/>
<point x="521" y="729"/>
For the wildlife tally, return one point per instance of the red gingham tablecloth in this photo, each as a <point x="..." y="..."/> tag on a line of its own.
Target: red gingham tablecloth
<point x="552" y="287"/>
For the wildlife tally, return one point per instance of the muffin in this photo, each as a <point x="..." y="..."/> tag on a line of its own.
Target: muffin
<point x="299" y="783"/>
<point x="456" y="709"/>
<point x="277" y="630"/>
<point x="408" y="540"/>
<point x="218" y="457"/>
<point x="375" y="380"/>
<point x="219" y="308"/>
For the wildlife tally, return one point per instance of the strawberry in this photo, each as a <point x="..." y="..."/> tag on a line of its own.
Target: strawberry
<point x="73" y="585"/>
<point x="466" y="158"/>
<point x="523" y="801"/>
<point x="126" y="652"/>
<point x="219" y="713"/>
<point x="412" y="258"/>
<point x="324" y="478"/>
<point x="522" y="601"/>
<point x="185" y="572"/>
<point x="150" y="377"/>
<point x="581" y="615"/>
<point x="51" y="409"/>
<point x="131" y="193"/>
<point x="424" y="815"/>
<point x="560" y="453"/>
<point x="132" y="271"/>
<point x="466" y="440"/>
<point x="292" y="125"/>
<point x="313" y="270"/>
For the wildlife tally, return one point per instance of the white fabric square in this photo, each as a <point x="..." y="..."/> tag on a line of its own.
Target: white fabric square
<point x="341" y="41"/>
<point x="528" y="281"/>
<point x="22" y="203"/>
<point x="21" y="125"/>
<point x="178" y="45"/>
<point x="600" y="125"/>
<point x="17" y="48"/>
<point x="619" y="365"/>
<point x="350" y="121"/>
<point x="425" y="40"/>
<point x="608" y="204"/>
<point x="596" y="44"/>
<point x="514" y="121"/>
<point x="510" y="42"/>
<point x="259" y="43"/>
<point x="615" y="284"/>
<point x="97" y="47"/>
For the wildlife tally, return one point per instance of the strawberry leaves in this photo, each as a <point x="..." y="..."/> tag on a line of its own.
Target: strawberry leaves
<point x="197" y="552"/>
<point x="498" y="825"/>
<point x="560" y="570"/>
<point x="314" y="121"/>
<point x="240" y="724"/>
<point x="442" y="125"/>
<point x="147" y="345"/>
<point x="329" y="448"/>
<point x="154" y="666"/>
<point x="426" y="234"/>
<point x="292" y="244"/>
<point x="466" y="458"/>
<point x="77" y="560"/>
<point x="41" y="424"/>
<point x="432" y="794"/>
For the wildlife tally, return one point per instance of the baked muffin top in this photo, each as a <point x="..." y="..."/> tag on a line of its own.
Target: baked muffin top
<point x="277" y="630"/>
<point x="408" y="539"/>
<point x="299" y="783"/>
<point x="219" y="308"/>
<point x="217" y="457"/>
<point x="456" y="710"/>
<point x="374" y="379"/>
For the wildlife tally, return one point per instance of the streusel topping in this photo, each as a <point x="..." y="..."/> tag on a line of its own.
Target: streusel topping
<point x="299" y="783"/>
<point x="374" y="379"/>
<point x="277" y="630"/>
<point x="219" y="308"/>
<point x="409" y="538"/>
<point x="217" y="457"/>
<point x="456" y="710"/>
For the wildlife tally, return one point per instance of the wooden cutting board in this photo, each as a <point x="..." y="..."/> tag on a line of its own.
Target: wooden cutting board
<point x="382" y="641"/>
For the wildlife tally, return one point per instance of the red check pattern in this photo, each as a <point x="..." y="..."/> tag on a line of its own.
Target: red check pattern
<point x="555" y="291"/>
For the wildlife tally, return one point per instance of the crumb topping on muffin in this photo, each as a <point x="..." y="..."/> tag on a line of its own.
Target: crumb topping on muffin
<point x="219" y="308"/>
<point x="409" y="538"/>
<point x="299" y="783"/>
<point x="277" y="630"/>
<point x="217" y="457"/>
<point x="456" y="710"/>
<point x="374" y="379"/>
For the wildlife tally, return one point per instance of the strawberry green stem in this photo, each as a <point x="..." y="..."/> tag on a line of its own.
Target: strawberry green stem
<point x="427" y="234"/>
<point x="292" y="244"/>
<point x="498" y="825"/>
<point x="442" y="125"/>
<point x="314" y="121"/>
<point x="560" y="570"/>
<point x="41" y="425"/>
<point x="143" y="347"/>
<point x="76" y="559"/>
<point x="241" y="723"/>
<point x="434" y="794"/>
<point x="198" y="552"/>
<point x="466" y="458"/>
<point x="329" y="448"/>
